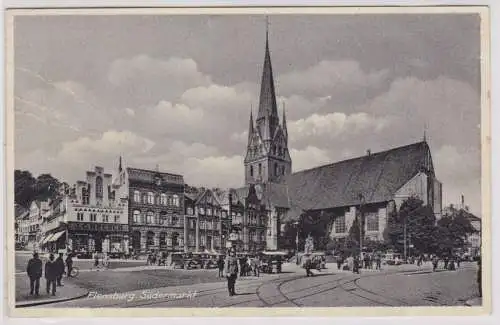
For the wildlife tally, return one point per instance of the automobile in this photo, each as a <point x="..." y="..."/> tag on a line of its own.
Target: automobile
<point x="176" y="260"/>
<point x="319" y="260"/>
<point x="271" y="261"/>
<point x="20" y="246"/>
<point x="204" y="260"/>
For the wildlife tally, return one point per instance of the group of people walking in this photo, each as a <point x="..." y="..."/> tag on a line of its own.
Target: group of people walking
<point x="53" y="272"/>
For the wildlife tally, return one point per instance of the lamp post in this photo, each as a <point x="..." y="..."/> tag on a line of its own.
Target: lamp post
<point x="296" y="224"/>
<point x="362" y="202"/>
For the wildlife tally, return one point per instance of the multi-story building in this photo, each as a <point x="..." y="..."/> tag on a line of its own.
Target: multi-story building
<point x="22" y="225"/>
<point x="156" y="209"/>
<point x="36" y="211"/>
<point x="90" y="217"/>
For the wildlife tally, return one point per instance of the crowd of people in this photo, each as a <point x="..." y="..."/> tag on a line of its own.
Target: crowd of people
<point x="53" y="272"/>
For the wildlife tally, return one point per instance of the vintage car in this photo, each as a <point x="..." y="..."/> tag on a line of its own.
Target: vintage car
<point x="318" y="260"/>
<point x="176" y="260"/>
<point x="271" y="262"/>
<point x="204" y="260"/>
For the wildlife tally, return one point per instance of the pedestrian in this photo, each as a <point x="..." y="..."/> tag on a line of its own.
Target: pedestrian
<point x="308" y="265"/>
<point x="34" y="270"/>
<point x="105" y="261"/>
<point x="478" y="277"/>
<point x="96" y="260"/>
<point x="59" y="265"/>
<point x="446" y="261"/>
<point x="457" y="260"/>
<point x="355" y="264"/>
<point x="339" y="262"/>
<point x="231" y="271"/>
<point x="435" y="261"/>
<point x="256" y="266"/>
<point x="51" y="273"/>
<point x="419" y="261"/>
<point x="220" y="266"/>
<point x="69" y="264"/>
<point x="379" y="262"/>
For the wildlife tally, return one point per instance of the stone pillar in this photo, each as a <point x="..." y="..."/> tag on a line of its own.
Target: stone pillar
<point x="197" y="234"/>
<point x="186" y="224"/>
<point x="125" y="244"/>
<point x="143" y="241"/>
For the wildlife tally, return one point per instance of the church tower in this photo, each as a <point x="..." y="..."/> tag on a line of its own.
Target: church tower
<point x="267" y="158"/>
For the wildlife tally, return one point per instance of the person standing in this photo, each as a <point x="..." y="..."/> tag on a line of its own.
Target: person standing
<point x="378" y="260"/>
<point x="96" y="260"/>
<point x="231" y="270"/>
<point x="220" y="266"/>
<point x="51" y="273"/>
<point x="59" y="263"/>
<point x="34" y="270"/>
<point x="69" y="264"/>
<point x="435" y="261"/>
<point x="355" y="265"/>
<point x="308" y="266"/>
<point x="339" y="262"/>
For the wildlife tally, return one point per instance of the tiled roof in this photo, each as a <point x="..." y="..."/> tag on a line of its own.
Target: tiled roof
<point x="377" y="176"/>
<point x="150" y="176"/>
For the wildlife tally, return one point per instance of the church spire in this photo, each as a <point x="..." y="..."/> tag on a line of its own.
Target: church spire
<point x="250" y="126"/>
<point x="267" y="116"/>
<point x="285" y="130"/>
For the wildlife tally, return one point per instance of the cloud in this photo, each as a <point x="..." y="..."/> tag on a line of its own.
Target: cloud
<point x="329" y="78"/>
<point x="309" y="157"/>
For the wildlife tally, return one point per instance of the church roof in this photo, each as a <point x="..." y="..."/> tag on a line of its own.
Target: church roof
<point x="144" y="175"/>
<point x="377" y="176"/>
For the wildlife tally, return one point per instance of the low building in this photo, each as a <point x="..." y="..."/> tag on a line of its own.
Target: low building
<point x="88" y="218"/>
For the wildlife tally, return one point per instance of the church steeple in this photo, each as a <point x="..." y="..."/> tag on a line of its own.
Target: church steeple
<point x="267" y="117"/>
<point x="283" y="122"/>
<point x="250" y="127"/>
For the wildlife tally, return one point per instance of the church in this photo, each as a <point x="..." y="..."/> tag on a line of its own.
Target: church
<point x="377" y="183"/>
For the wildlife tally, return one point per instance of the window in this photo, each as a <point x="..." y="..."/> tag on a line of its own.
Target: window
<point x="282" y="170"/>
<point x="251" y="171"/>
<point x="190" y="211"/>
<point x="175" y="220"/>
<point x="193" y="223"/>
<point x="209" y="211"/>
<point x="137" y="196"/>
<point x="163" y="199"/>
<point x="117" y="219"/>
<point x="224" y="214"/>
<point x="105" y="218"/>
<point x="79" y="216"/>
<point x="151" y="198"/>
<point x="280" y="151"/>
<point x="93" y="217"/>
<point x="340" y="227"/>
<point x="372" y="223"/>
<point x="149" y="217"/>
<point x="98" y="187"/>
<point x="163" y="218"/>
<point x="260" y="169"/>
<point x="137" y="216"/>
<point x="176" y="200"/>
<point x="85" y="196"/>
<point x="144" y="198"/>
<point x="275" y="169"/>
<point x="202" y="211"/>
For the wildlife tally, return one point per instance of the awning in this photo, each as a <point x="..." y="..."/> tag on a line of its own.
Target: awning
<point x="57" y="235"/>
<point x="47" y="239"/>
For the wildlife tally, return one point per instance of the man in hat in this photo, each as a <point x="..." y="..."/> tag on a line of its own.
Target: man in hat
<point x="34" y="270"/>
<point x="60" y="269"/>
<point x="51" y="273"/>
<point x="231" y="271"/>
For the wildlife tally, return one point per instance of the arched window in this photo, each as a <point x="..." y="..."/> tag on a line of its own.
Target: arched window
<point x="251" y="171"/>
<point x="176" y="200"/>
<point x="260" y="169"/>
<point x="137" y="216"/>
<point x="137" y="196"/>
<point x="98" y="187"/>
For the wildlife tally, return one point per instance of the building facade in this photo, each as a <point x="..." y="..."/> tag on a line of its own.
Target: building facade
<point x="88" y="218"/>
<point x="156" y="209"/>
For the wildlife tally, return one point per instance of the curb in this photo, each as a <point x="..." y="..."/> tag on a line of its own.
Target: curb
<point x="46" y="302"/>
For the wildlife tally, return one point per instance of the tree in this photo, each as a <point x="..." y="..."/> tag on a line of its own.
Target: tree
<point x="452" y="231"/>
<point x="24" y="187"/>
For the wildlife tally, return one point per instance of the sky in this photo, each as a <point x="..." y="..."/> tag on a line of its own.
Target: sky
<point x="176" y="92"/>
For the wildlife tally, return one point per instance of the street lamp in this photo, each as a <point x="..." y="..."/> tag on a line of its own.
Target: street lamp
<point x="360" y="220"/>
<point x="296" y="224"/>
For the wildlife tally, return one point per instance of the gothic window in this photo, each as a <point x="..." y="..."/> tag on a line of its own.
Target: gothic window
<point x="260" y="169"/>
<point x="137" y="216"/>
<point x="105" y="218"/>
<point x="137" y="196"/>
<point x="79" y="216"/>
<point x="98" y="187"/>
<point x="251" y="171"/>
<point x="275" y="169"/>
<point x="340" y="226"/>
<point x="93" y="217"/>
<point x="117" y="219"/>
<point x="372" y="223"/>
<point x="85" y="196"/>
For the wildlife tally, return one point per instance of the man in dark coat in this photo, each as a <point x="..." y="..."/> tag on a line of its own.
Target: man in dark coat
<point x="51" y="273"/>
<point x="231" y="271"/>
<point x="308" y="265"/>
<point x="69" y="264"/>
<point x="59" y="268"/>
<point x="220" y="266"/>
<point x="34" y="270"/>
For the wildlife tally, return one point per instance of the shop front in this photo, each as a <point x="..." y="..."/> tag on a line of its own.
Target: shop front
<point x="86" y="238"/>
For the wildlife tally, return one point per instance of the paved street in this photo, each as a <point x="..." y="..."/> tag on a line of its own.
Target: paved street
<point x="405" y="285"/>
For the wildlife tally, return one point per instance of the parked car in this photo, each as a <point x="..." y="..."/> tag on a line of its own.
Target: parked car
<point x="271" y="262"/>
